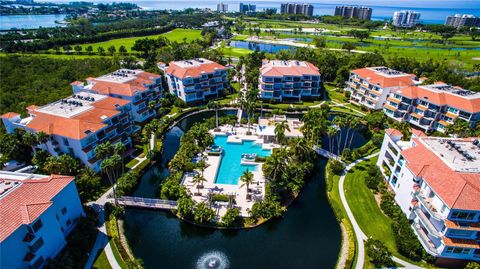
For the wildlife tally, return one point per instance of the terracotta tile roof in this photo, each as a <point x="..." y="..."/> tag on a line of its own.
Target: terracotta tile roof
<point x="76" y="83"/>
<point x="291" y="69"/>
<point x="9" y="115"/>
<point x="194" y="71"/>
<point x="128" y="88"/>
<point x="373" y="77"/>
<point x="27" y="202"/>
<point x="393" y="132"/>
<point x="79" y="126"/>
<point x="441" y="98"/>
<point x="458" y="190"/>
<point x="464" y="243"/>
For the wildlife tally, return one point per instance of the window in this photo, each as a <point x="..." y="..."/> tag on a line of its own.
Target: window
<point x="69" y="222"/>
<point x="65" y="142"/>
<point x="38" y="263"/>
<point x="64" y="210"/>
<point x="37" y="245"/>
<point x="463" y="215"/>
<point x="37" y="225"/>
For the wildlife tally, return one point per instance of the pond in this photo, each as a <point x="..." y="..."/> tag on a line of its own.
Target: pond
<point x="30" y="21"/>
<point x="307" y="236"/>
<point x="262" y="47"/>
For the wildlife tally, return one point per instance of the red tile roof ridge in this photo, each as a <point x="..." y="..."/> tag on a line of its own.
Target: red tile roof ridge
<point x="192" y="71"/>
<point x="9" y="115"/>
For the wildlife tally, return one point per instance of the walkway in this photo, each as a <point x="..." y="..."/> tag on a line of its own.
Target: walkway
<point x="359" y="234"/>
<point x="146" y="203"/>
<point x="102" y="241"/>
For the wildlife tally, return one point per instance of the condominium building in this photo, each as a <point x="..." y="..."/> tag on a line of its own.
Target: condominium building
<point x="436" y="184"/>
<point x="196" y="80"/>
<point x="37" y="214"/>
<point x="362" y="13"/>
<point x="247" y="8"/>
<point x="371" y="86"/>
<point x="460" y="20"/>
<point x="296" y="8"/>
<point x="137" y="86"/>
<point x="406" y="18"/>
<point x="222" y="7"/>
<point x="77" y="124"/>
<point x="433" y="107"/>
<point x="281" y="80"/>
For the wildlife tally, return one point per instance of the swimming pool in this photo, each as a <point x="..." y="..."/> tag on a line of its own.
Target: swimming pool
<point x="230" y="169"/>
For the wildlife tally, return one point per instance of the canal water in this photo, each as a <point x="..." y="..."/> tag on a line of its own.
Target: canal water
<point x="307" y="236"/>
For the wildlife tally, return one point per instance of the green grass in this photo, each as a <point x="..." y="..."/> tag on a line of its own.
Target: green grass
<point x="131" y="163"/>
<point x="55" y="56"/>
<point x="234" y="52"/>
<point x="101" y="262"/>
<point x="364" y="207"/>
<point x="176" y="35"/>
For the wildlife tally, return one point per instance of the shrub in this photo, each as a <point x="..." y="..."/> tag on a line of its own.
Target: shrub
<point x="336" y="167"/>
<point x="185" y="206"/>
<point x="230" y="217"/>
<point x="203" y="214"/>
<point x="374" y="177"/>
<point x="220" y="198"/>
<point x="379" y="254"/>
<point x="268" y="208"/>
<point x="406" y="240"/>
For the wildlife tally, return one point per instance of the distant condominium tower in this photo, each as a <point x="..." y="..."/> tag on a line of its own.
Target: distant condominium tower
<point x="247" y="8"/>
<point x="406" y="18"/>
<point x="362" y="13"/>
<point x="221" y="7"/>
<point x="296" y="8"/>
<point x="459" y="20"/>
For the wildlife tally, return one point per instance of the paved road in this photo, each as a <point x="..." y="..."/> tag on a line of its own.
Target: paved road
<point x="359" y="234"/>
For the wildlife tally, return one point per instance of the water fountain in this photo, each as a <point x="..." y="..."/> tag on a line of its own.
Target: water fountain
<point x="213" y="260"/>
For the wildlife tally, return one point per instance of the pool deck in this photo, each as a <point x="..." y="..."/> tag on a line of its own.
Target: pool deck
<point x="239" y="191"/>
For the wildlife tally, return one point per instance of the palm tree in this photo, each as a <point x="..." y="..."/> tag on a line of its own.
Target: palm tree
<point x="119" y="148"/>
<point x="348" y="123"/>
<point x="353" y="125"/>
<point x="106" y="167"/>
<point x="104" y="150"/>
<point x="247" y="179"/>
<point x="198" y="180"/>
<point x="43" y="138"/>
<point x="340" y="123"/>
<point x="31" y="140"/>
<point x="214" y="106"/>
<point x="280" y="131"/>
<point x="202" y="165"/>
<point x="331" y="132"/>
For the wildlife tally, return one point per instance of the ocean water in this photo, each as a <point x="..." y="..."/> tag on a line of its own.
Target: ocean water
<point x="30" y="21"/>
<point x="432" y="11"/>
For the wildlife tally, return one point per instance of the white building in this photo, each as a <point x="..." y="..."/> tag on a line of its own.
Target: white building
<point x="196" y="80"/>
<point x="222" y="7"/>
<point x="460" y="20"/>
<point x="77" y="124"/>
<point x="137" y="86"/>
<point x="406" y="18"/>
<point x="436" y="182"/>
<point x="433" y="107"/>
<point x="371" y="86"/>
<point x="37" y="214"/>
<point x="294" y="80"/>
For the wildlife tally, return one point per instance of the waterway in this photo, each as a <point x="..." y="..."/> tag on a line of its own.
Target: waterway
<point x="307" y="236"/>
<point x="30" y="21"/>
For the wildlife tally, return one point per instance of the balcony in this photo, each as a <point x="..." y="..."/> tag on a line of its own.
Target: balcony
<point x="427" y="204"/>
<point x="424" y="240"/>
<point x="29" y="238"/>
<point x="29" y="257"/>
<point x="426" y="223"/>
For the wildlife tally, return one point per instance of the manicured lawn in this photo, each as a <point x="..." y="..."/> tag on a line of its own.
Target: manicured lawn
<point x="176" y="35"/>
<point x="101" y="262"/>
<point x="234" y="52"/>
<point x="364" y="207"/>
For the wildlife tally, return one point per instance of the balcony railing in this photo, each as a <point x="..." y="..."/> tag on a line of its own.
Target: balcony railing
<point x="427" y="223"/>
<point x="424" y="240"/>
<point x="431" y="210"/>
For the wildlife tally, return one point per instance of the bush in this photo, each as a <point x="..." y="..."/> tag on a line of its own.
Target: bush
<point x="336" y="167"/>
<point x="220" y="198"/>
<point x="203" y="214"/>
<point x="127" y="183"/>
<point x="379" y="254"/>
<point x="230" y="217"/>
<point x="185" y="206"/>
<point x="266" y="209"/>
<point x="374" y="178"/>
<point x="406" y="240"/>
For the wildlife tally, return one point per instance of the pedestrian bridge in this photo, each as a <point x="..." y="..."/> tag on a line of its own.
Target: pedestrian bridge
<point x="146" y="203"/>
<point x="325" y="153"/>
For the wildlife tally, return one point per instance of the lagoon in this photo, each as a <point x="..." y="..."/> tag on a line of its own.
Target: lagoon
<point x="30" y="21"/>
